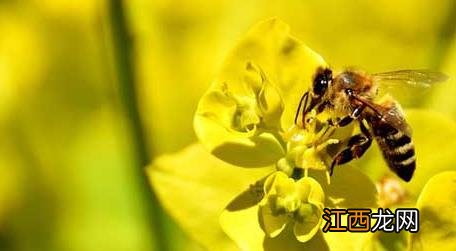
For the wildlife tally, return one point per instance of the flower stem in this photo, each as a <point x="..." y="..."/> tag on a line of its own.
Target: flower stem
<point x="123" y="60"/>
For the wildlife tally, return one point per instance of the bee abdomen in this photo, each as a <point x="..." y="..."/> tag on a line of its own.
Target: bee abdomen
<point x="398" y="150"/>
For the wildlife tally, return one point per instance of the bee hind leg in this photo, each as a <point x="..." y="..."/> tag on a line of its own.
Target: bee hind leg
<point x="356" y="147"/>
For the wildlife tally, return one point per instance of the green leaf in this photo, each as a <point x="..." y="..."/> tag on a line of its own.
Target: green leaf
<point x="256" y="93"/>
<point x="437" y="205"/>
<point x="194" y="187"/>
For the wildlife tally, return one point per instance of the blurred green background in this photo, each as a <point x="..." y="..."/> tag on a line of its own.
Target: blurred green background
<point x="91" y="91"/>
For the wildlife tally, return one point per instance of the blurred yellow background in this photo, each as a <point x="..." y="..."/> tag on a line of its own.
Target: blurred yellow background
<point x="70" y="173"/>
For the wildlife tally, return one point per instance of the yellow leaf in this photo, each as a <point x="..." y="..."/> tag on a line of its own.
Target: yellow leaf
<point x="194" y="187"/>
<point x="437" y="205"/>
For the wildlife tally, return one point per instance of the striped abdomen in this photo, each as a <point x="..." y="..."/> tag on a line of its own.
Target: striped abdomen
<point x="396" y="145"/>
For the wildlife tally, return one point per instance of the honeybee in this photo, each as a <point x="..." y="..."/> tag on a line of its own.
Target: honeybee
<point x="352" y="97"/>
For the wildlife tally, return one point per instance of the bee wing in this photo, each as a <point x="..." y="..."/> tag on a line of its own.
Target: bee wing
<point x="419" y="78"/>
<point x="394" y="115"/>
<point x="390" y="112"/>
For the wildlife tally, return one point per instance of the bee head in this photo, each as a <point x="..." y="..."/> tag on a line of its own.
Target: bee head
<point x="321" y="82"/>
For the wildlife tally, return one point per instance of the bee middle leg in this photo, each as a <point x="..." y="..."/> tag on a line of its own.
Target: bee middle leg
<point x="356" y="147"/>
<point x="344" y="121"/>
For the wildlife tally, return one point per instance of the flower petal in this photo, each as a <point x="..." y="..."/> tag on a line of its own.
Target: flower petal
<point x="355" y="189"/>
<point x="194" y="186"/>
<point x="271" y="105"/>
<point x="313" y="192"/>
<point x="349" y="188"/>
<point x="310" y="222"/>
<point x="258" y="89"/>
<point x="271" y="224"/>
<point x="281" y="194"/>
<point x="257" y="151"/>
<point x="437" y="205"/>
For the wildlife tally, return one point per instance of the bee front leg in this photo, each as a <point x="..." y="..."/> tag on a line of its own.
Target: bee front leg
<point x="356" y="147"/>
<point x="302" y="101"/>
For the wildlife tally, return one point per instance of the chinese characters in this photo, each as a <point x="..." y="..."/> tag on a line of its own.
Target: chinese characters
<point x="359" y="220"/>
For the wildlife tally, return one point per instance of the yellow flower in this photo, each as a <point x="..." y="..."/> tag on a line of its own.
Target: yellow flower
<point x="287" y="200"/>
<point x="246" y="118"/>
<point x="243" y="111"/>
<point x="277" y="169"/>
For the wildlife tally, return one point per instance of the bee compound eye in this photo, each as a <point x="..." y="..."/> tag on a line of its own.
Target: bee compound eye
<point x="321" y="82"/>
<point x="320" y="85"/>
